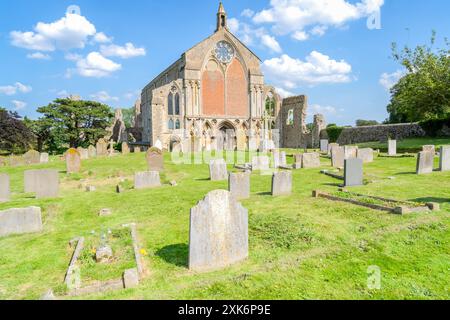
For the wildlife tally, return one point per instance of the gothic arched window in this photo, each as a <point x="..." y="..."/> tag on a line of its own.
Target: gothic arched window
<point x="170" y="104"/>
<point x="171" y="125"/>
<point x="177" y="104"/>
<point x="270" y="106"/>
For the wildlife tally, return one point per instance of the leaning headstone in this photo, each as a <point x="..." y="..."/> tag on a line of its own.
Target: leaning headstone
<point x="19" y="221"/>
<point x="425" y="162"/>
<point x="32" y="157"/>
<point x="260" y="163"/>
<point x="73" y="161"/>
<point x="92" y="152"/>
<point x="155" y="159"/>
<point x="239" y="185"/>
<point x="392" y="147"/>
<point x="102" y="147"/>
<point x="429" y="148"/>
<point x="444" y="158"/>
<point x="366" y="155"/>
<point x="311" y="160"/>
<point x="350" y="152"/>
<point x="218" y="170"/>
<point x="84" y="154"/>
<point x="282" y="183"/>
<point x="218" y="234"/>
<point x="43" y="158"/>
<point x="324" y="146"/>
<point x="47" y="184"/>
<point x="147" y="179"/>
<point x="5" y="192"/>
<point x="337" y="157"/>
<point x="125" y="148"/>
<point x="353" y="172"/>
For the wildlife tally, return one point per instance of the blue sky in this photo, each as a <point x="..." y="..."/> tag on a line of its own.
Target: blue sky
<point x="110" y="51"/>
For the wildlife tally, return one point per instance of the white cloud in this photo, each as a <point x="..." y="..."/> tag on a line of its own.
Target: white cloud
<point x="73" y="56"/>
<point x="13" y="89"/>
<point x="96" y="66"/>
<point x="38" y="56"/>
<point x="102" y="38"/>
<point x="388" y="80"/>
<point x="316" y="69"/>
<point x="126" y="52"/>
<point x="251" y="36"/>
<point x="300" y="35"/>
<point x="69" y="32"/>
<point x="284" y="93"/>
<point x="290" y="16"/>
<point x="325" y="110"/>
<point x="248" y="13"/>
<point x="18" y="105"/>
<point x="103" y="96"/>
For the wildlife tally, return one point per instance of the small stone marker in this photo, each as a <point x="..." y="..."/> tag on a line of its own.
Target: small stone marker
<point x="125" y="148"/>
<point x="444" y="158"/>
<point x="350" y="152"/>
<point x="92" y="152"/>
<point x="353" y="172"/>
<point x="48" y="296"/>
<point x="105" y="212"/>
<point x="120" y="189"/>
<point x="337" y="157"/>
<point x="136" y="149"/>
<point x="239" y="185"/>
<point x="425" y="162"/>
<point x="102" y="147"/>
<point x="155" y="159"/>
<point x="131" y="278"/>
<point x="84" y="154"/>
<point x="260" y="163"/>
<point x="5" y="192"/>
<point x="73" y="161"/>
<point x="19" y="221"/>
<point x="173" y="183"/>
<point x="282" y="183"/>
<point x="429" y="148"/>
<point x="103" y="254"/>
<point x="366" y="155"/>
<point x="147" y="179"/>
<point x="324" y="146"/>
<point x="218" y="170"/>
<point x="90" y="189"/>
<point x="311" y="160"/>
<point x="392" y="147"/>
<point x="43" y="158"/>
<point x="32" y="157"/>
<point x="218" y="232"/>
<point x="47" y="184"/>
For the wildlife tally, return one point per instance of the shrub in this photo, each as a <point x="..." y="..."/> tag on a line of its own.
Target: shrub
<point x="436" y="127"/>
<point x="334" y="133"/>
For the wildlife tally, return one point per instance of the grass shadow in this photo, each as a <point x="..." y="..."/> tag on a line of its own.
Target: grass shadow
<point x="431" y="199"/>
<point x="405" y="173"/>
<point x="267" y="193"/>
<point x="176" y="254"/>
<point x="203" y="179"/>
<point x="332" y="184"/>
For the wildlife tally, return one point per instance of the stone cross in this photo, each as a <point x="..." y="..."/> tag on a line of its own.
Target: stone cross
<point x="353" y="172"/>
<point x="218" y="235"/>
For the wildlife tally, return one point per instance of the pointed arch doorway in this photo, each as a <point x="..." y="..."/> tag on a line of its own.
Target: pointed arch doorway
<point x="227" y="137"/>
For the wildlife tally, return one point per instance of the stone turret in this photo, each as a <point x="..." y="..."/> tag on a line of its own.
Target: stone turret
<point x="221" y="18"/>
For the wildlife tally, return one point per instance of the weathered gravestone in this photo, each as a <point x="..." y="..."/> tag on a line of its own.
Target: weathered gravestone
<point x="5" y="192"/>
<point x="130" y="278"/>
<point x="298" y="161"/>
<point x="30" y="180"/>
<point x="125" y="148"/>
<point x="331" y="146"/>
<point x="136" y="149"/>
<point x="73" y="161"/>
<point x="239" y="185"/>
<point x="102" y="147"/>
<point x="366" y="155"/>
<point x="337" y="157"/>
<point x="155" y="159"/>
<point x="350" y="152"/>
<point x="392" y="147"/>
<point x="3" y="161"/>
<point x="147" y="179"/>
<point x="429" y="148"/>
<point x="311" y="160"/>
<point x="32" y="157"/>
<point x="279" y="159"/>
<point x="282" y="183"/>
<point x="47" y="184"/>
<point x="353" y="172"/>
<point x="19" y="221"/>
<point x="260" y="163"/>
<point x="84" y="154"/>
<point x="218" y="170"/>
<point x="92" y="152"/>
<point x="324" y="146"/>
<point x="44" y="158"/>
<point x="425" y="162"/>
<point x="218" y="235"/>
<point x="444" y="158"/>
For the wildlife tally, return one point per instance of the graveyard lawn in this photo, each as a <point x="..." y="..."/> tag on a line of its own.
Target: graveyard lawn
<point x="412" y="145"/>
<point x="300" y="247"/>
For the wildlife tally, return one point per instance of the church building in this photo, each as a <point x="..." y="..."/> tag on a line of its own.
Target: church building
<point x="216" y="89"/>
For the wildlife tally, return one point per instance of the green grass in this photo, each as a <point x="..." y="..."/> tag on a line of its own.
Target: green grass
<point x="412" y="145"/>
<point x="300" y="247"/>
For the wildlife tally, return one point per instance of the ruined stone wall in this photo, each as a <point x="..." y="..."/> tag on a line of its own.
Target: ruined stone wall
<point x="380" y="133"/>
<point x="294" y="134"/>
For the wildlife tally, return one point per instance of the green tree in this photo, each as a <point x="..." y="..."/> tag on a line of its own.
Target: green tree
<point x="364" y="123"/>
<point x="72" y="122"/>
<point x="128" y="117"/>
<point x="15" y="137"/>
<point x="424" y="92"/>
